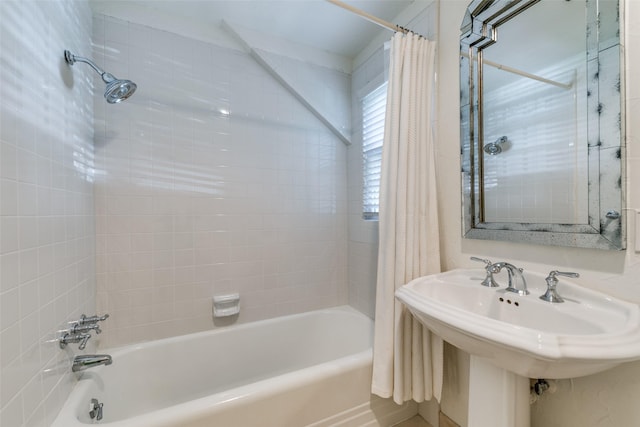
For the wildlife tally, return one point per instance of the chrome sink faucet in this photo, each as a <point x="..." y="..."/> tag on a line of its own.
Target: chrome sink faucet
<point x="517" y="282"/>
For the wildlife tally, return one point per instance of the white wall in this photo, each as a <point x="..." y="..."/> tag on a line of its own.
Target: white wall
<point x="46" y="202"/>
<point x="603" y="400"/>
<point x="211" y="179"/>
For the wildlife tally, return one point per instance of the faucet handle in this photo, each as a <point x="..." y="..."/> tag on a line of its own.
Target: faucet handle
<point x="486" y="261"/>
<point x="92" y="319"/>
<point x="488" y="281"/>
<point x="89" y="320"/>
<point x="68" y="338"/>
<point x="554" y="273"/>
<point x="551" y="295"/>
<point x="79" y="328"/>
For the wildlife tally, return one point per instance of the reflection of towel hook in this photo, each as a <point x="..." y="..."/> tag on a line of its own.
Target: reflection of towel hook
<point x="495" y="147"/>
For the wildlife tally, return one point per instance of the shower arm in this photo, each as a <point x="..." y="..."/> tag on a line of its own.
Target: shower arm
<point x="72" y="59"/>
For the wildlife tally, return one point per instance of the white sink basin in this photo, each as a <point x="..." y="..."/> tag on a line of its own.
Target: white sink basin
<point x="588" y="333"/>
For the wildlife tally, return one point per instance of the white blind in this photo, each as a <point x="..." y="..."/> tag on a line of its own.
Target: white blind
<point x="374" y="106"/>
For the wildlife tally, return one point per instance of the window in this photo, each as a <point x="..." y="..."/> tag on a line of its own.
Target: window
<point x="374" y="106"/>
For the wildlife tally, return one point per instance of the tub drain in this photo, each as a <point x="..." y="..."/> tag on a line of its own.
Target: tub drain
<point x="95" y="410"/>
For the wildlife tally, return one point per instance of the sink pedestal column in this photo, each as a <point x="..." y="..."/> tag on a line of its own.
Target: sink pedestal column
<point x="497" y="397"/>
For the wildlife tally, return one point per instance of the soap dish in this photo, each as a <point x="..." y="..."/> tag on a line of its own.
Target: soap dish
<point x="226" y="305"/>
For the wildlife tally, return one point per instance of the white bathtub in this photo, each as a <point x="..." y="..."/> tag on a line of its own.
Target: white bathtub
<point x="310" y="369"/>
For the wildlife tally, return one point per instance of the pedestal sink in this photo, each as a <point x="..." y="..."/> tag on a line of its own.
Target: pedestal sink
<point x="514" y="337"/>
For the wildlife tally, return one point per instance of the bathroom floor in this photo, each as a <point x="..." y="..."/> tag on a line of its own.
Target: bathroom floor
<point x="416" y="421"/>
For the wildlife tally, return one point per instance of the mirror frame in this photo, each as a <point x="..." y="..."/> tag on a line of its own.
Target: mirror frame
<point x="606" y="227"/>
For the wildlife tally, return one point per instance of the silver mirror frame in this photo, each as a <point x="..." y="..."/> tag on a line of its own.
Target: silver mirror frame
<point x="606" y="228"/>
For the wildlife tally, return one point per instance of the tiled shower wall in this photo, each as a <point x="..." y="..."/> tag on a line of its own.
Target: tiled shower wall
<point x="212" y="179"/>
<point x="363" y="234"/>
<point x="47" y="269"/>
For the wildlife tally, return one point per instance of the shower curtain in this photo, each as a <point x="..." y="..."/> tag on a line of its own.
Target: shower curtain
<point x="407" y="358"/>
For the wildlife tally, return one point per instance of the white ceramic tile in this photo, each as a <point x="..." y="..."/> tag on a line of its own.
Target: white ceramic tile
<point x="10" y="314"/>
<point x="206" y="197"/>
<point x="12" y="413"/>
<point x="8" y="197"/>
<point x="10" y="352"/>
<point x="44" y="179"/>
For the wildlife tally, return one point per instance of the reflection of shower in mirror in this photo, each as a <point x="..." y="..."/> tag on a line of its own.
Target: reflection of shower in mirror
<point x="496" y="147"/>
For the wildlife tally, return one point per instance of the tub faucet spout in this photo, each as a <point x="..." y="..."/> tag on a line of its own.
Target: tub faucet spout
<point x="86" y="361"/>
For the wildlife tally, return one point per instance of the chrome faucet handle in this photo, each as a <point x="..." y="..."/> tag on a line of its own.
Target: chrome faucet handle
<point x="68" y="338"/>
<point x="490" y="268"/>
<point x="83" y="341"/>
<point x="486" y="261"/>
<point x="79" y="328"/>
<point x="84" y="320"/>
<point x="552" y="281"/>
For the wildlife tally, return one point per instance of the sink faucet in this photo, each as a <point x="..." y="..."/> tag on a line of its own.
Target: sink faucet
<point x="517" y="283"/>
<point x="86" y="361"/>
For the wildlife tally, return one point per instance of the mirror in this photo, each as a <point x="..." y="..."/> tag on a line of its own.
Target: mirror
<point x="541" y="122"/>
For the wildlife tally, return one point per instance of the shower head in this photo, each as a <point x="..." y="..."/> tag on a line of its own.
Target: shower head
<point x="117" y="90"/>
<point x="495" y="147"/>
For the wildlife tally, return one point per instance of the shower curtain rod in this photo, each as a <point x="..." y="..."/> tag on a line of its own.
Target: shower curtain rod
<point x="372" y="18"/>
<point x="528" y="75"/>
<point x="522" y="73"/>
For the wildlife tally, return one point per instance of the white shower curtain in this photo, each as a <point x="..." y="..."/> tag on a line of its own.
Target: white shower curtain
<point x="407" y="358"/>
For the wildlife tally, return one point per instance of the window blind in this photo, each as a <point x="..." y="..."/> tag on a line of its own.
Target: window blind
<point x="374" y="106"/>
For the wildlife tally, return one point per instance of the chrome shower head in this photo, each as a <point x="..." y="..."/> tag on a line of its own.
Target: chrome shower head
<point x="495" y="147"/>
<point x="117" y="90"/>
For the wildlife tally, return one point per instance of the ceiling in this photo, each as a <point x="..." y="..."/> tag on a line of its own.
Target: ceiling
<point x="315" y="23"/>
